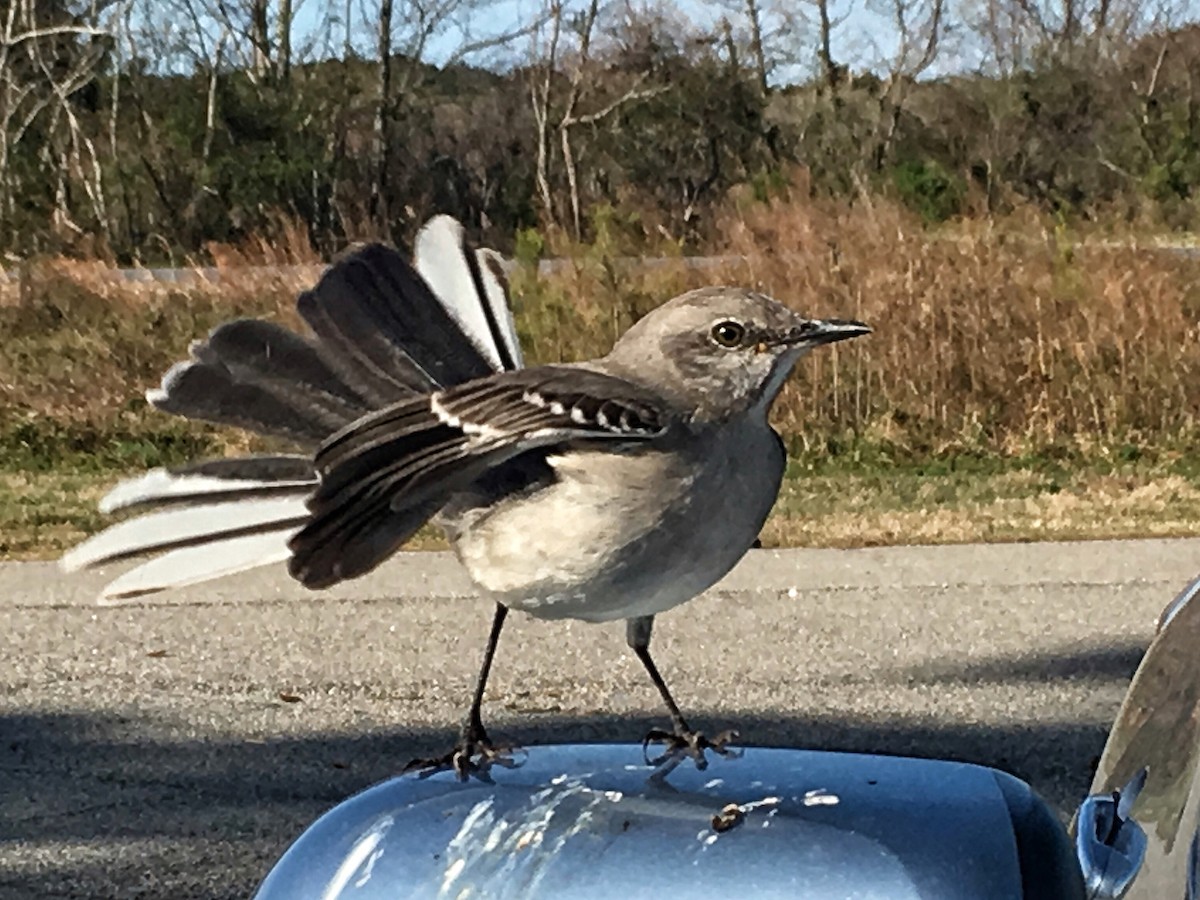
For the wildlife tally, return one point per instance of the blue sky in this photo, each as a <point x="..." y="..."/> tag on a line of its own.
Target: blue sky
<point x="862" y="36"/>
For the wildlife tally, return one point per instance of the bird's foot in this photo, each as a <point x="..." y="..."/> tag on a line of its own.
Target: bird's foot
<point x="684" y="742"/>
<point x="474" y="754"/>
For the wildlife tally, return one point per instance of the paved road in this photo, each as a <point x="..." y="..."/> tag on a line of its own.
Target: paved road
<point x="152" y="751"/>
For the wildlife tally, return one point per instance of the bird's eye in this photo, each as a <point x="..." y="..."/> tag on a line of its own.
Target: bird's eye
<point x="728" y="333"/>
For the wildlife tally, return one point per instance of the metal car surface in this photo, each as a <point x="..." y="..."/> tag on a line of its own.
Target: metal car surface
<point x="1146" y="788"/>
<point x="580" y="820"/>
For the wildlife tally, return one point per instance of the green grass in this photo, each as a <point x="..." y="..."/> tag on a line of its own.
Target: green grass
<point x="124" y="446"/>
<point x="837" y="502"/>
<point x="43" y="513"/>
<point x="842" y="503"/>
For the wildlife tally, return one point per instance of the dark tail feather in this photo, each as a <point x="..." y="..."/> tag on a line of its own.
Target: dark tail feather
<point x="357" y="545"/>
<point x="262" y="351"/>
<point x="204" y="389"/>
<point x="260" y="467"/>
<point x="385" y="330"/>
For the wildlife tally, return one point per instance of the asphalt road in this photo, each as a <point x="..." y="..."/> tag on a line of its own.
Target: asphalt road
<point x="173" y="748"/>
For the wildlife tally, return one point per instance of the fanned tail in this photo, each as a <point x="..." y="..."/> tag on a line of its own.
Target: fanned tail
<point x="383" y="330"/>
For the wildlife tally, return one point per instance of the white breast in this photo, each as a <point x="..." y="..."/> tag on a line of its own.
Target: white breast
<point x="627" y="535"/>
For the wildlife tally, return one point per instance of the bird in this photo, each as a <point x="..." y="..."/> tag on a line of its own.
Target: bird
<point x="609" y="489"/>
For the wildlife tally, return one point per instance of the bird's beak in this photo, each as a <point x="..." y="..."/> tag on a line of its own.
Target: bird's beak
<point x="816" y="332"/>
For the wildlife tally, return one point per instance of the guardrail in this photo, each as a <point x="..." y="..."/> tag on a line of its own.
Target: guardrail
<point x="214" y="275"/>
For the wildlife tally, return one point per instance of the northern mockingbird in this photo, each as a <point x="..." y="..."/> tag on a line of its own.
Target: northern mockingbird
<point x="615" y="488"/>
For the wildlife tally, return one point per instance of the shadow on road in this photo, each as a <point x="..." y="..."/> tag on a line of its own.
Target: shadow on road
<point x="1116" y="662"/>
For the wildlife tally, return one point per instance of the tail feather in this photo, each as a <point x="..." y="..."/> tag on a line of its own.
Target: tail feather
<point x="473" y="293"/>
<point x="184" y="526"/>
<point x="361" y="545"/>
<point x="161" y="487"/>
<point x="265" y="350"/>
<point x="383" y="331"/>
<point x="387" y="330"/>
<point x="293" y="366"/>
<point x="258" y="467"/>
<point x="259" y="376"/>
<point x="200" y="563"/>
<point x="493" y="275"/>
<point x="209" y="393"/>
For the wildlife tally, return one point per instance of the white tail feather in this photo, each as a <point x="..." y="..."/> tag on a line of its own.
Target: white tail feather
<point x="170" y="527"/>
<point x="222" y="533"/>
<point x="196" y="564"/>
<point x="496" y="295"/>
<point x="439" y="257"/>
<point x="159" y="484"/>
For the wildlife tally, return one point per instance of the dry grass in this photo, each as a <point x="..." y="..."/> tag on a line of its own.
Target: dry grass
<point x="42" y="514"/>
<point x="992" y="341"/>
<point x="985" y="340"/>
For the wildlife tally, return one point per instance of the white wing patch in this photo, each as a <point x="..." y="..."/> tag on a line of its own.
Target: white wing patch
<point x="475" y="429"/>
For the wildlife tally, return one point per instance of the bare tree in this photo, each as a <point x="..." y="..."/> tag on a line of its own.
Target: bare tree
<point x="182" y="36"/>
<point x="570" y="116"/>
<point x="404" y="32"/>
<point x="259" y="34"/>
<point x="829" y="69"/>
<point x="383" y="114"/>
<point x="541" y="91"/>
<point x="576" y="89"/>
<point x="754" y="17"/>
<point x="770" y="34"/>
<point x="919" y="27"/>
<point x="47" y="55"/>
<point x="1015" y="34"/>
<point x="284" y="22"/>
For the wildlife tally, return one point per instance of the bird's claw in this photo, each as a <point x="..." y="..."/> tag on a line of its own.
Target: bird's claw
<point x="474" y="754"/>
<point x="685" y="742"/>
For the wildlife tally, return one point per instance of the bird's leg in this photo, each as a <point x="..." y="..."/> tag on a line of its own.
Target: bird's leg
<point x="473" y="737"/>
<point x="683" y="739"/>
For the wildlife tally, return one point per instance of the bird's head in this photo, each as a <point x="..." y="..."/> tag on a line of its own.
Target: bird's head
<point x="725" y="349"/>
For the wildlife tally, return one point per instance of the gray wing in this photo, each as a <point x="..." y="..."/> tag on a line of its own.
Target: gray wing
<point x="386" y="475"/>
